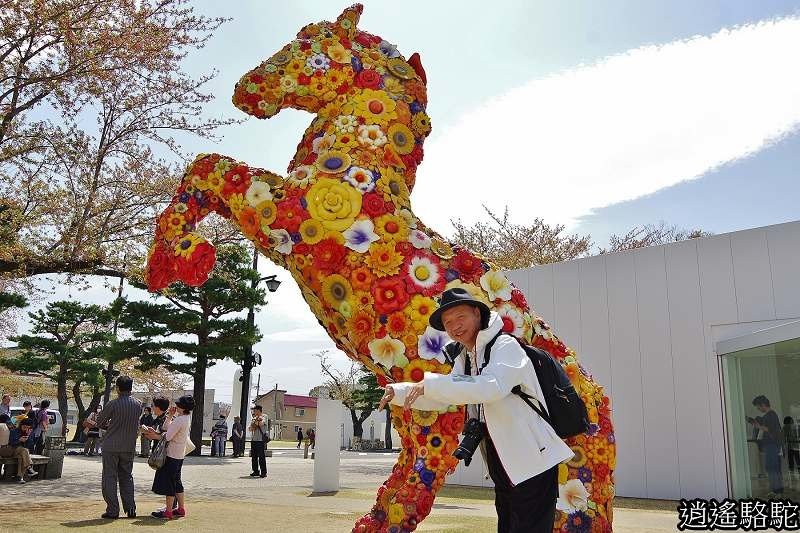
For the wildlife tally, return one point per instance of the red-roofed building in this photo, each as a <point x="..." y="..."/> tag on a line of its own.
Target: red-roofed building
<point x="287" y="413"/>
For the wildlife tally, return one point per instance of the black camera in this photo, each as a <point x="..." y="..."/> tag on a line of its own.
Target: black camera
<point x="473" y="434"/>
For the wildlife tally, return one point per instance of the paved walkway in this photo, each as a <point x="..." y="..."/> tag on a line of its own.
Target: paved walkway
<point x="222" y="497"/>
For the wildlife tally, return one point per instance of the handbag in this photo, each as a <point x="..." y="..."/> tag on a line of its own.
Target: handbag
<point x="190" y="447"/>
<point x="159" y="454"/>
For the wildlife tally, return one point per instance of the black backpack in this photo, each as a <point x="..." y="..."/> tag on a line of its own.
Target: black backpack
<point x="568" y="415"/>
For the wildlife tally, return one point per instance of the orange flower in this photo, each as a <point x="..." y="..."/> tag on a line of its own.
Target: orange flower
<point x="396" y="324"/>
<point x="249" y="221"/>
<point x="361" y="279"/>
<point x="360" y="326"/>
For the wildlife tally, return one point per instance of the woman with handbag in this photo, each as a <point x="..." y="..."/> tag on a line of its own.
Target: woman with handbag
<point x="175" y="435"/>
<point x="92" y="433"/>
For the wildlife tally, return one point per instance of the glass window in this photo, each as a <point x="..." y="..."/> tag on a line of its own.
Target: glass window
<point x="299" y="411"/>
<point x="762" y="404"/>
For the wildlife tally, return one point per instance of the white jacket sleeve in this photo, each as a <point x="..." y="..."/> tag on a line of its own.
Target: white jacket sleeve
<point x="504" y="371"/>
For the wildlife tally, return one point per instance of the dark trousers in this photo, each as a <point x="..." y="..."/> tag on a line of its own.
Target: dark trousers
<point x="238" y="446"/>
<point x="528" y="507"/>
<point x="794" y="460"/>
<point x="118" y="469"/>
<point x="258" y="456"/>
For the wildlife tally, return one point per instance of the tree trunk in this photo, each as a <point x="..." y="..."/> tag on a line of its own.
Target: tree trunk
<point x="63" y="407"/>
<point x="358" y="429"/>
<point x="76" y="395"/>
<point x="196" y="432"/>
<point x="387" y="437"/>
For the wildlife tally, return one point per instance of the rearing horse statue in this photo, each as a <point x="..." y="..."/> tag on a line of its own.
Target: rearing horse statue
<point x="341" y="222"/>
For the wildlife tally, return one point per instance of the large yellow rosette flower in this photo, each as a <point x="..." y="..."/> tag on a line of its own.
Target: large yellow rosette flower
<point x="334" y="203"/>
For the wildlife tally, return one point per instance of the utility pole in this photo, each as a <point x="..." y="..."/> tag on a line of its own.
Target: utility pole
<point x="109" y="371"/>
<point x="248" y="363"/>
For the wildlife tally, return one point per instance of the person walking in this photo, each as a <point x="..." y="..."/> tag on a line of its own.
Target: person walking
<point x="237" y="437"/>
<point x="144" y="442"/>
<point x="167" y="480"/>
<point x="299" y="437"/>
<point x="219" y="437"/>
<point x="258" y="442"/>
<point x="120" y="421"/>
<point x="41" y="427"/>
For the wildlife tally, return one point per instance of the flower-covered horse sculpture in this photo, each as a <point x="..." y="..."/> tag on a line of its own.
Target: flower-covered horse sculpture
<point x="370" y="270"/>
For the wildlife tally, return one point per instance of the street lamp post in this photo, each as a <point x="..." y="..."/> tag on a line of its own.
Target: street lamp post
<point x="252" y="359"/>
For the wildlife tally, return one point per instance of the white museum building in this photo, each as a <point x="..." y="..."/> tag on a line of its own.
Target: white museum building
<point x="682" y="336"/>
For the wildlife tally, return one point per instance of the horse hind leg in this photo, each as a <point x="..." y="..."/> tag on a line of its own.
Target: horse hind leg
<point x="428" y="440"/>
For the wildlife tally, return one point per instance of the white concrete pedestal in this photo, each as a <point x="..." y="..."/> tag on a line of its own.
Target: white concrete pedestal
<point x="328" y="435"/>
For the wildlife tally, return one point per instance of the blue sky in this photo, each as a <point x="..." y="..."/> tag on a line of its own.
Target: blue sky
<point x="598" y="115"/>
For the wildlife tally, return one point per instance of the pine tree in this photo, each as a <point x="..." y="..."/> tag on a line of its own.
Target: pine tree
<point x="193" y="325"/>
<point x="67" y="338"/>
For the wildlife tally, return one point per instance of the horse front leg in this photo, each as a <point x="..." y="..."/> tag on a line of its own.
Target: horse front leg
<point x="428" y="439"/>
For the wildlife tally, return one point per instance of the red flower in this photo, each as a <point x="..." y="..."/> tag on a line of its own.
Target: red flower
<point x="328" y="255"/>
<point x="424" y="502"/>
<point x="301" y="248"/>
<point x="366" y="40"/>
<point x="422" y="440"/>
<point x="518" y="299"/>
<point x="290" y="214"/>
<point x="508" y="324"/>
<point x="404" y="247"/>
<point x="302" y="79"/>
<point x="601" y="471"/>
<point x="381" y="383"/>
<point x="373" y="205"/>
<point x="236" y="181"/>
<point x="467" y="265"/>
<point x="368" y="79"/>
<point x="161" y="268"/>
<point x="390" y="295"/>
<point x="195" y="269"/>
<point x="452" y="423"/>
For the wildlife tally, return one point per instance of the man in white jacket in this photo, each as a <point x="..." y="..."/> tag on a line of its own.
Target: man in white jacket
<point x="521" y="450"/>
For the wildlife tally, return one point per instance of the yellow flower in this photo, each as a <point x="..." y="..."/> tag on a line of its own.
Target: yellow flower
<point x="401" y="138"/>
<point x="441" y="248"/>
<point x="335" y="290"/>
<point x="295" y="66"/>
<point x="384" y="260"/>
<point x="397" y="513"/>
<point x="339" y="53"/>
<point x="563" y="473"/>
<point x="334" y="203"/>
<point x="311" y="231"/>
<point x="375" y="107"/>
<point x="393" y="187"/>
<point x="345" y="123"/>
<point x="267" y="212"/>
<point x="421" y="123"/>
<point x="185" y="247"/>
<point x="199" y="183"/>
<point x="391" y="228"/>
<point x="333" y="162"/>
<point x="421" y="308"/>
<point x="424" y="418"/>
<point x="496" y="284"/>
<point x="236" y="202"/>
<point x="401" y="69"/>
<point x="394" y="87"/>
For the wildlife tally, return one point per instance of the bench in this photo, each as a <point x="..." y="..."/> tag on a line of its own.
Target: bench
<point x="39" y="463"/>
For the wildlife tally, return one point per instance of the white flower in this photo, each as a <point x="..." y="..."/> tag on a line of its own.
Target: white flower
<point x="388" y="49"/>
<point x="572" y="495"/>
<point x="360" y="235"/>
<point x="423" y="272"/>
<point x="419" y="239"/>
<point x="513" y="316"/>
<point x="345" y="123"/>
<point x="430" y="344"/>
<point x="496" y="285"/>
<point x="258" y="192"/>
<point x="385" y="350"/>
<point x="319" y="62"/>
<point x="301" y="176"/>
<point x="371" y="136"/>
<point x="361" y="178"/>
<point x="281" y="240"/>
<point x="320" y="145"/>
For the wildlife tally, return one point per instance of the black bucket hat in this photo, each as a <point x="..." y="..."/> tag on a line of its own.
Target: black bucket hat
<point x="453" y="297"/>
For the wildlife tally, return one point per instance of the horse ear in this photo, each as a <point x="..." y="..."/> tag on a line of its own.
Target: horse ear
<point x="416" y="63"/>
<point x="348" y="21"/>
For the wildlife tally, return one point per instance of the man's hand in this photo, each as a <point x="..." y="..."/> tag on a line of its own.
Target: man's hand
<point x="415" y="391"/>
<point x="387" y="397"/>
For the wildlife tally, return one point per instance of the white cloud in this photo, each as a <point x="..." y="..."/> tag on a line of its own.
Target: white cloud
<point x="309" y="334"/>
<point x="622" y="128"/>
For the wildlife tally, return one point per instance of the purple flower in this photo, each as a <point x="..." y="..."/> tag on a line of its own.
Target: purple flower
<point x="356" y="62"/>
<point x="579" y="522"/>
<point x="419" y="465"/>
<point x="431" y="343"/>
<point x="416" y="107"/>
<point x="584" y="474"/>
<point x="427" y="476"/>
<point x="450" y="274"/>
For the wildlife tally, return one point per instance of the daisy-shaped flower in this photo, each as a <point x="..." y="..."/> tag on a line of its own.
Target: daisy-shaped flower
<point x="384" y="260"/>
<point x="513" y="319"/>
<point x="360" y="235"/>
<point x="300" y="176"/>
<point x="281" y="241"/>
<point x="423" y="274"/>
<point x="431" y="344"/>
<point x="345" y="123"/>
<point x="402" y="138"/>
<point x="361" y="178"/>
<point x="393" y="187"/>
<point x="385" y="350"/>
<point x="572" y="496"/>
<point x="335" y="290"/>
<point x="420" y="310"/>
<point x="258" y="192"/>
<point x="322" y="144"/>
<point x="408" y="216"/>
<point x="318" y="62"/>
<point x="496" y="284"/>
<point x="391" y="228"/>
<point x="371" y="136"/>
<point x="419" y="239"/>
